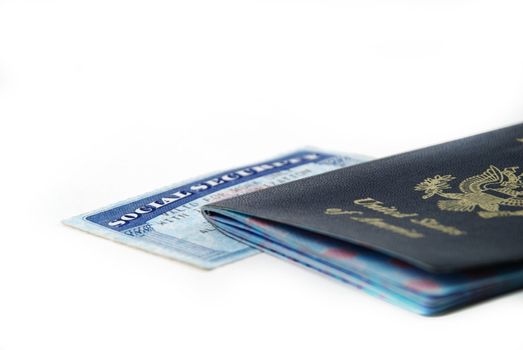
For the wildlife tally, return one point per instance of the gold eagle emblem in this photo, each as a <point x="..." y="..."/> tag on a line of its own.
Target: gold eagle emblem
<point x="488" y="191"/>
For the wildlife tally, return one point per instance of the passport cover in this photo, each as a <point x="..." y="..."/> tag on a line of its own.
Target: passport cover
<point x="448" y="218"/>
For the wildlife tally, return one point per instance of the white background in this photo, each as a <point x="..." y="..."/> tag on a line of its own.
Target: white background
<point x="101" y="100"/>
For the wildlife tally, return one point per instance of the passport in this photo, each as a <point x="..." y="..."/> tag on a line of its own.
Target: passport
<point x="430" y="230"/>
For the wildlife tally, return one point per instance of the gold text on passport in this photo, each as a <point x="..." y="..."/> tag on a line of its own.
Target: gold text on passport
<point x="372" y="204"/>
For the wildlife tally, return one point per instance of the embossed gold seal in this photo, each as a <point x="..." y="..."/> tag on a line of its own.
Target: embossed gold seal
<point x="488" y="191"/>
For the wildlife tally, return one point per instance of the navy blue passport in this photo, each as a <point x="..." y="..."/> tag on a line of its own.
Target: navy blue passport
<point x="430" y="230"/>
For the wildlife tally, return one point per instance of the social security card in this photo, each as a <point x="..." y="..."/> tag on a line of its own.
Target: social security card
<point x="168" y="221"/>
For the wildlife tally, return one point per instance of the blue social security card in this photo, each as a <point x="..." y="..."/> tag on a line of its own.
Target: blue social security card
<point x="168" y="221"/>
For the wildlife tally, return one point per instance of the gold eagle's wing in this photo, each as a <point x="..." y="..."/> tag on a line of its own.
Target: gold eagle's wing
<point x="478" y="183"/>
<point x="513" y="202"/>
<point x="456" y="205"/>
